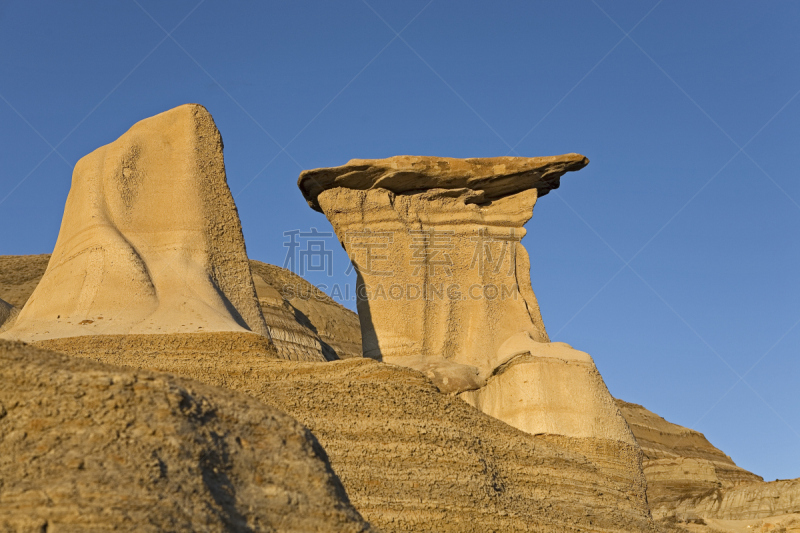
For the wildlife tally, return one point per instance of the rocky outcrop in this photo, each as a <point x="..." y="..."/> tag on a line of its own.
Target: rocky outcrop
<point x="19" y="276"/>
<point x="436" y="241"/>
<point x="90" y="447"/>
<point x="743" y="502"/>
<point x="414" y="459"/>
<point x="304" y="322"/>
<point x="302" y="319"/>
<point x="8" y="313"/>
<point x="150" y="241"/>
<point x="679" y="463"/>
<point x="689" y="480"/>
<point x="663" y="441"/>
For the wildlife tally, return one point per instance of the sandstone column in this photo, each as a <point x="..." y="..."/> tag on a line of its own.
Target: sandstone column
<point x="150" y="241"/>
<point x="444" y="284"/>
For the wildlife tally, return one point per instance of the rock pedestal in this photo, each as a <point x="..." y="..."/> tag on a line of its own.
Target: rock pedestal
<point x="444" y="284"/>
<point x="150" y="241"/>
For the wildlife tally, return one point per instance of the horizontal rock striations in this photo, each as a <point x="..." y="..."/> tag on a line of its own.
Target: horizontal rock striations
<point x="414" y="459"/>
<point x="90" y="447"/>
<point x="304" y="322"/>
<point x="444" y="284"/>
<point x="688" y="478"/>
<point x="743" y="502"/>
<point x="150" y="241"/>
<point x="302" y="319"/>
<point x="679" y="462"/>
<point x="8" y="313"/>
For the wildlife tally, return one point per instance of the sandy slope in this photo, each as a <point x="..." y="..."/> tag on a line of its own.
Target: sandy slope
<point x="414" y="459"/>
<point x="92" y="447"/>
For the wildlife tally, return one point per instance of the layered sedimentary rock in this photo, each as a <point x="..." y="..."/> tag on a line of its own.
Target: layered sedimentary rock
<point x="743" y="502"/>
<point x="7" y="314"/>
<point x="303" y="320"/>
<point x="150" y="241"/>
<point x="688" y="478"/>
<point x="92" y="447"/>
<point x="444" y="284"/>
<point x="19" y="276"/>
<point x="665" y="444"/>
<point x="414" y="459"/>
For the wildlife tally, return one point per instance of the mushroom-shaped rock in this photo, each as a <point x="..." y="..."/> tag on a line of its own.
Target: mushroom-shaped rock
<point x="150" y="241"/>
<point x="444" y="283"/>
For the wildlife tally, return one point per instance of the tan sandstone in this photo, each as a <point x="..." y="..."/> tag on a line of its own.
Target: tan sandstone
<point x="413" y="459"/>
<point x="8" y="313"/>
<point x="444" y="284"/>
<point x="689" y="480"/>
<point x="150" y="241"/>
<point x="304" y="322"/>
<point x="93" y="447"/>
<point x="302" y="319"/>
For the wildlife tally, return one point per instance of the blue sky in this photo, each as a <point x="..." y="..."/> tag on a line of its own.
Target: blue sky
<point x="672" y="258"/>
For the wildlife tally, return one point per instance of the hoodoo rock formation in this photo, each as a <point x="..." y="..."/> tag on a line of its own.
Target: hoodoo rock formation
<point x="150" y="241"/>
<point x="444" y="284"/>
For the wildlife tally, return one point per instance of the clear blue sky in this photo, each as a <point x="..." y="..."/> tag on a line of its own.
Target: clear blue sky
<point x="672" y="258"/>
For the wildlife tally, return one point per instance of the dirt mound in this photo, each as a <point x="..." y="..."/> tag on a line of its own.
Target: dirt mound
<point x="90" y="447"/>
<point x="414" y="459"/>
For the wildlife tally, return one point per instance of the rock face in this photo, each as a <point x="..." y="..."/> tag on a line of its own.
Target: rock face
<point x="679" y="463"/>
<point x="19" y="276"/>
<point x="303" y="320"/>
<point x="90" y="447"/>
<point x="436" y="241"/>
<point x="744" y="502"/>
<point x="413" y="459"/>
<point x="150" y="241"/>
<point x="7" y="313"/>
<point x="690" y="479"/>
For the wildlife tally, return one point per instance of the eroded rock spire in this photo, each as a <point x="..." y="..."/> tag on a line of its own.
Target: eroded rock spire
<point x="150" y="241"/>
<point x="444" y="284"/>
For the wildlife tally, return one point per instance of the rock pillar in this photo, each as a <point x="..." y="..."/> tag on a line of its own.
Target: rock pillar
<point x="150" y="241"/>
<point x="444" y="284"/>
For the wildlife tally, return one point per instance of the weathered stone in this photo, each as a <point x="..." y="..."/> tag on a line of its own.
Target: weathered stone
<point x="305" y="323"/>
<point x="745" y="502"/>
<point x="19" y="275"/>
<point x="444" y="283"/>
<point x="7" y="314"/>
<point x="93" y="447"/>
<point x="414" y="459"/>
<point x="150" y="241"/>
<point x="688" y="478"/>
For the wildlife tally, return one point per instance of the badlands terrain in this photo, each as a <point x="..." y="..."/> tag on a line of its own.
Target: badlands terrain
<point x="157" y="379"/>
